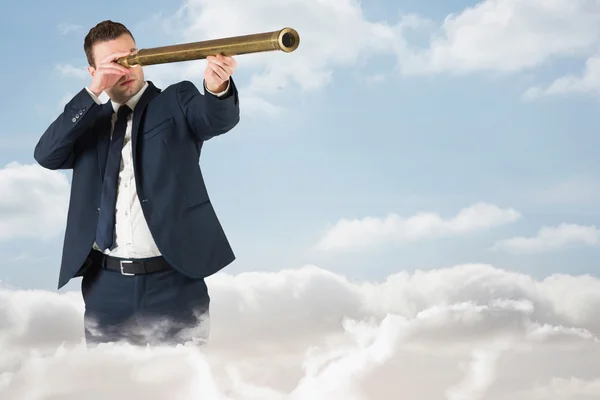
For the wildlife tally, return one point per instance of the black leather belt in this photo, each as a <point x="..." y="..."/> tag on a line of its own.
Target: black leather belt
<point x="132" y="267"/>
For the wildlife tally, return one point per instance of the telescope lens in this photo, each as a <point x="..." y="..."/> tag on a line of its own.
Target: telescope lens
<point x="288" y="40"/>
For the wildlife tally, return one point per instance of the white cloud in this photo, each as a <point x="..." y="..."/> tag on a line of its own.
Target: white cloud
<point x="370" y="231"/>
<point x="551" y="238"/>
<point x="588" y="83"/>
<point x="33" y="201"/>
<point x="468" y="332"/>
<point x="509" y="36"/>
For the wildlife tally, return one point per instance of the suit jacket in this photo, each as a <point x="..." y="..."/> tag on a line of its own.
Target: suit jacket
<point x="169" y="128"/>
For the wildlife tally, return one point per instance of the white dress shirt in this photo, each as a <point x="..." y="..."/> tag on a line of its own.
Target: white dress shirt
<point x="132" y="235"/>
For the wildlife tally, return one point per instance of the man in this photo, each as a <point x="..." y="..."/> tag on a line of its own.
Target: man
<point x="141" y="229"/>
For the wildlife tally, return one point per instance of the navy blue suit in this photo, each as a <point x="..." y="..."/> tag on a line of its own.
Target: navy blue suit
<point x="169" y="129"/>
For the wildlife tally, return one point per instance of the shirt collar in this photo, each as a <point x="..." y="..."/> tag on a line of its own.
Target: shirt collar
<point x="132" y="101"/>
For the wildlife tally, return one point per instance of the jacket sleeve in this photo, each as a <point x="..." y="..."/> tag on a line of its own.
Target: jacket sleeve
<point x="56" y="147"/>
<point x="209" y="115"/>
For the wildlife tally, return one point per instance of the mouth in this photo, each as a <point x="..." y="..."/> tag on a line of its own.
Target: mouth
<point x="127" y="83"/>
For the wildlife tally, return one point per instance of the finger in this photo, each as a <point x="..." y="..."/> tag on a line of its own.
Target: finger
<point x="114" y="56"/>
<point x="216" y="60"/>
<point x="220" y="72"/>
<point x="111" y="70"/>
<point x="227" y="60"/>
<point x="115" y="65"/>
<point x="217" y="75"/>
<point x="228" y="63"/>
<point x="228" y="70"/>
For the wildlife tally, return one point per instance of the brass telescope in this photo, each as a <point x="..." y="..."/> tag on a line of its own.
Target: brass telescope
<point x="286" y="40"/>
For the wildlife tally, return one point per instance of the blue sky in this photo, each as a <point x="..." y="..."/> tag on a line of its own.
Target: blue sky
<point x="363" y="121"/>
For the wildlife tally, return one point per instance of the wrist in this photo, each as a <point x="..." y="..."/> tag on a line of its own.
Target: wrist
<point x="217" y="88"/>
<point x="95" y="90"/>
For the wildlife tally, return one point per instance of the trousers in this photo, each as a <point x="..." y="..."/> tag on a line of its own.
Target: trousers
<point x="160" y="308"/>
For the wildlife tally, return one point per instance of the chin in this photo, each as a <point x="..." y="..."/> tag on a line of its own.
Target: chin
<point x="130" y="89"/>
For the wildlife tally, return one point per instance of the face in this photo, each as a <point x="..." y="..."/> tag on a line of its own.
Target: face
<point x="128" y="85"/>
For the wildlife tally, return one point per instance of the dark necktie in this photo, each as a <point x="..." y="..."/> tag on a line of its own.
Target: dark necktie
<point x="106" y="219"/>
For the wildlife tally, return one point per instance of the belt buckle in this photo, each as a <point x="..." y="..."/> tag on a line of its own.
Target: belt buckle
<point x="121" y="262"/>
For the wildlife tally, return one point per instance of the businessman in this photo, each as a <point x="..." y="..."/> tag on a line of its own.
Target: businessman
<point x="141" y="229"/>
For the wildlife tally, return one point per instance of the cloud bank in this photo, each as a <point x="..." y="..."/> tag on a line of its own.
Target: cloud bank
<point x="467" y="332"/>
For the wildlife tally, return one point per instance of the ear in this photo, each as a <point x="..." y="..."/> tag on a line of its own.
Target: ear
<point x="91" y="70"/>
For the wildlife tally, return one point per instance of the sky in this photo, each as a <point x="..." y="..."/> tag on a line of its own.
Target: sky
<point x="426" y="170"/>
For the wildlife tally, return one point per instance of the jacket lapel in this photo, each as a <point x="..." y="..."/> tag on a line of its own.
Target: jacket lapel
<point x="103" y="136"/>
<point x="150" y="93"/>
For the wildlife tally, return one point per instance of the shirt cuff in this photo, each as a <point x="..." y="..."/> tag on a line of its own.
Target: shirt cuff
<point x="94" y="97"/>
<point x="220" y="94"/>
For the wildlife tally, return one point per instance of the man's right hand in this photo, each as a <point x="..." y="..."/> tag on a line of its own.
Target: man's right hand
<point x="108" y="72"/>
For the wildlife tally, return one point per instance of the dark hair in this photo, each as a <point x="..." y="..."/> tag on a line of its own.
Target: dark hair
<point x="102" y="32"/>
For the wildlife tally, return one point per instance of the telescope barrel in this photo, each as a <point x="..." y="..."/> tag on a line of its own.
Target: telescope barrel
<point x="286" y="40"/>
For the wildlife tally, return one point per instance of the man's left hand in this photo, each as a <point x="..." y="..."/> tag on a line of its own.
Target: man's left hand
<point x="218" y="71"/>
